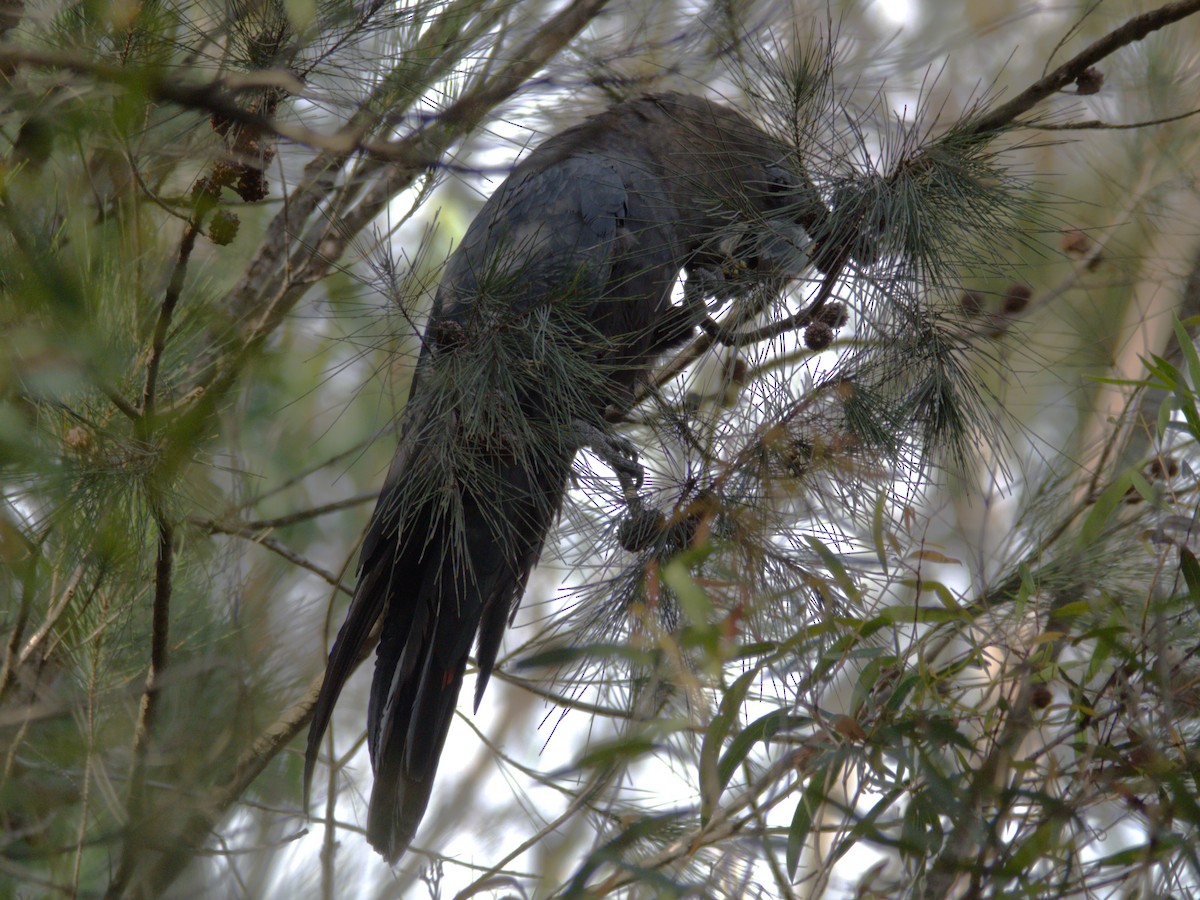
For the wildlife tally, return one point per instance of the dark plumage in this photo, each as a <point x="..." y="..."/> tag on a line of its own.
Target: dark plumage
<point x="550" y="311"/>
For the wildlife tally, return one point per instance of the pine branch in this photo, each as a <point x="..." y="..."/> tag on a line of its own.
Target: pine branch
<point x="1134" y="29"/>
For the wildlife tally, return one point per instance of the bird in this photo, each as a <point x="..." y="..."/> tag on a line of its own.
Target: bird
<point x="548" y="316"/>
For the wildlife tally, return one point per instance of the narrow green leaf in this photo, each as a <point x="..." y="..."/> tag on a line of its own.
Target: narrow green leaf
<point x="1144" y="488"/>
<point x="945" y="596"/>
<point x="1128" y="857"/>
<point x="1187" y="406"/>
<point x="835" y="566"/>
<point x="560" y="656"/>
<point x="906" y="615"/>
<point x="921" y="832"/>
<point x="1102" y="511"/>
<point x="1190" y="356"/>
<point x="1166" y="372"/>
<point x="927" y="554"/>
<point x="902" y="690"/>
<point x="1165" y="410"/>
<point x="802" y="820"/>
<point x="610" y="752"/>
<point x="693" y="599"/>
<point x="866" y="828"/>
<point x="1071" y="610"/>
<point x="1039" y="845"/>
<point x="1190" y="568"/>
<point x="761" y="729"/>
<point x="877" y="528"/>
<point x="711" y="784"/>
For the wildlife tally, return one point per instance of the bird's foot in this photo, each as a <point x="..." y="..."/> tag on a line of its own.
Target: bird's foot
<point x="618" y="453"/>
<point x="704" y="282"/>
<point x="718" y="333"/>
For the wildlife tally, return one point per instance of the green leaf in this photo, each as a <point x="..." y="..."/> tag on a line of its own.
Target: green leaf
<point x="562" y="656"/>
<point x="612" y="853"/>
<point x="802" y="819"/>
<point x="1167" y="374"/>
<point x="902" y="690"/>
<point x="866" y="829"/>
<point x="945" y="596"/>
<point x="302" y="13"/>
<point x="931" y="585"/>
<point x="877" y="530"/>
<point x="907" y="615"/>
<point x="1038" y="846"/>
<point x="1187" y="406"/>
<point x="836" y="568"/>
<point x="921" y="832"/>
<point x="1190" y="568"/>
<point x="1097" y="521"/>
<point x="697" y="610"/>
<point x="1190" y="356"/>
<point x="1166" y="410"/>
<point x="1027" y="588"/>
<point x="1071" y="610"/>
<point x="610" y="753"/>
<point x="1131" y="856"/>
<point x="927" y="554"/>
<point x="1144" y="488"/>
<point x="711" y="784"/>
<point x="693" y="599"/>
<point x="761" y="729"/>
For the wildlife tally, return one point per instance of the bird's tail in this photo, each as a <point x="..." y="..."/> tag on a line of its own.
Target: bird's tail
<point x="439" y="567"/>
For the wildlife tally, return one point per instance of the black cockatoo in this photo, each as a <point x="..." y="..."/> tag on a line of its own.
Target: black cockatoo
<point x="547" y="316"/>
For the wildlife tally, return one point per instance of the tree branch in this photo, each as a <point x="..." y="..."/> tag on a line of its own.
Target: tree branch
<point x="257" y="536"/>
<point x="166" y="311"/>
<point x="136" y="808"/>
<point x="1133" y="30"/>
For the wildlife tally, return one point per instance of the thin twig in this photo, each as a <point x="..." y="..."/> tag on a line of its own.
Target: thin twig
<point x="126" y="408"/>
<point x="166" y="311"/>
<point x="304" y="515"/>
<point x="28" y="571"/>
<point x="257" y="536"/>
<point x="1134" y="29"/>
<point x="53" y="615"/>
<point x="724" y="821"/>
<point x="137" y="817"/>
<point x="1096" y="124"/>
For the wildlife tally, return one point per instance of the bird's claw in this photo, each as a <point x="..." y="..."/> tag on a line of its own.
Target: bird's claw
<point x="702" y="283"/>
<point x="618" y="453"/>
